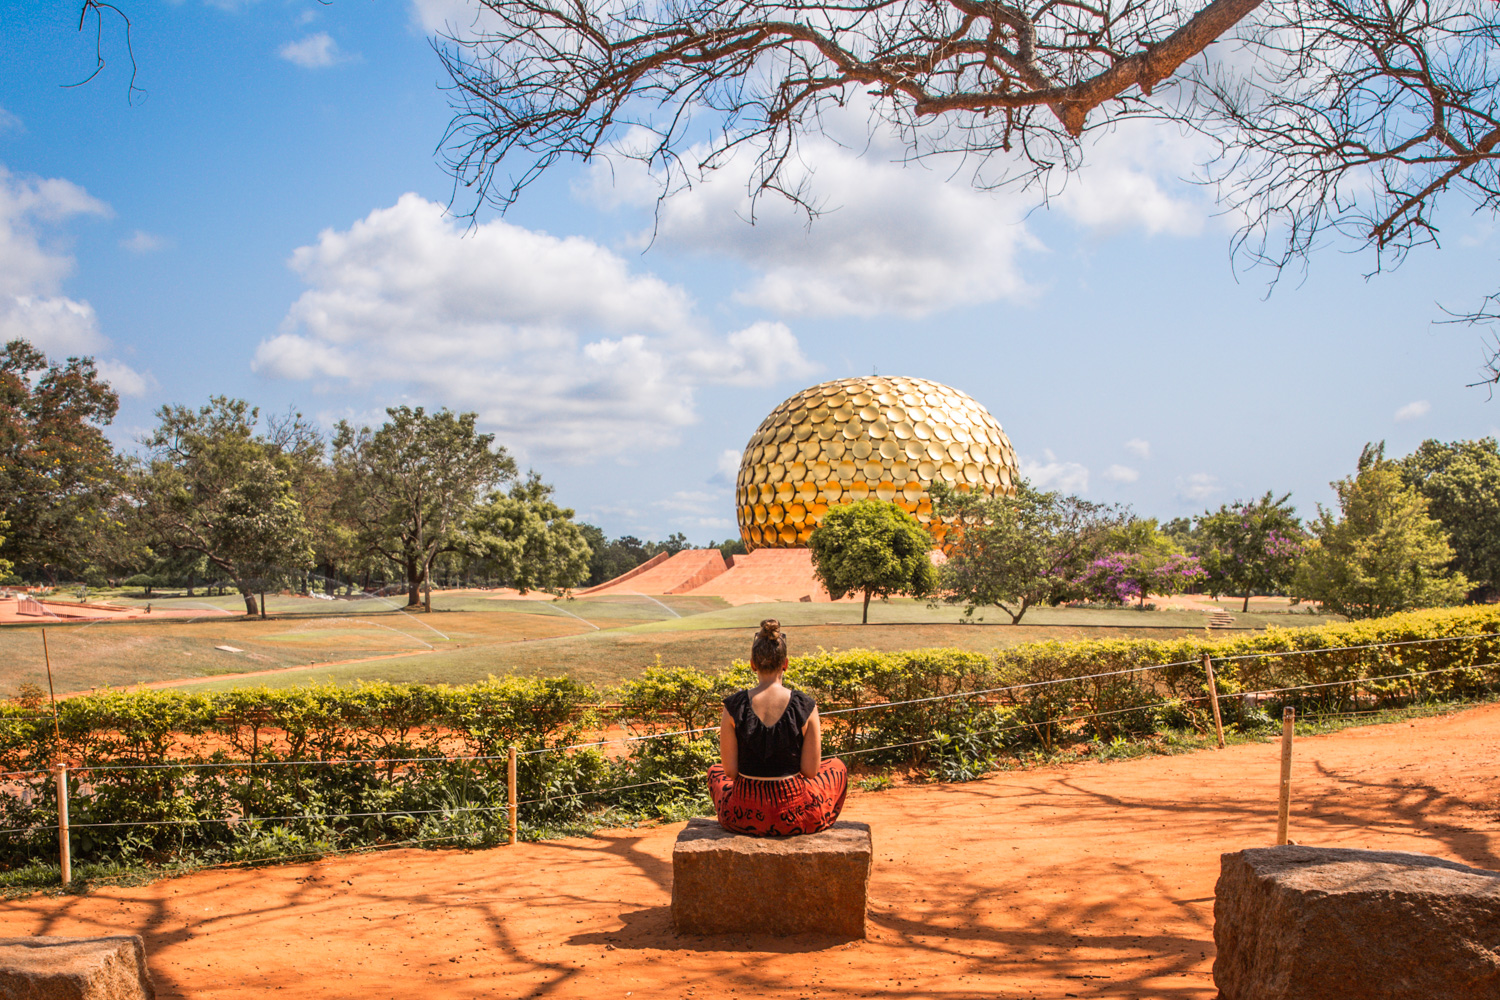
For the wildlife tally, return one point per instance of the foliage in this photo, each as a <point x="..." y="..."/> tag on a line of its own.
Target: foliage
<point x="1249" y="546"/>
<point x="872" y="547"/>
<point x="1384" y="554"/>
<point x="259" y="773"/>
<point x="1121" y="576"/>
<point x="409" y="485"/>
<point x="1017" y="552"/>
<point x="528" y="540"/>
<point x="59" y="476"/>
<point x="1460" y="481"/>
<point x="213" y="487"/>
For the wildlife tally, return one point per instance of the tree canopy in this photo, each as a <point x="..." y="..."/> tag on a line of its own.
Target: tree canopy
<point x="1383" y="554"/>
<point x="412" y="481"/>
<point x="527" y="539"/>
<point x="875" y="548"/>
<point x="1460" y="480"/>
<point x="1249" y="546"/>
<point x="59" y="474"/>
<point x="1016" y="552"/>
<point x="213" y="486"/>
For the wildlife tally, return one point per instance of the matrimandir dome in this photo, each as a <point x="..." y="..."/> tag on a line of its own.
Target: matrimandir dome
<point x="843" y="441"/>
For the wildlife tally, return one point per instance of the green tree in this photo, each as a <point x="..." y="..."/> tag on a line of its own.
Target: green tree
<point x="874" y="547"/>
<point x="1139" y="559"/>
<point x="409" y="486"/>
<point x="5" y="565"/>
<point x="1016" y="552"/>
<point x="59" y="474"/>
<point x="529" y="540"/>
<point x="1460" y="480"/>
<point x="1384" y="554"/>
<point x="213" y="486"/>
<point x="1249" y="546"/>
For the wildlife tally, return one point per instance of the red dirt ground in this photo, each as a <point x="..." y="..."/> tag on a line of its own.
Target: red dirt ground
<point x="1093" y="880"/>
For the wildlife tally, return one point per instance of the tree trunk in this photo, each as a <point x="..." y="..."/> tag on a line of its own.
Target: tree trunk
<point x="263" y="604"/>
<point x="413" y="584"/>
<point x="866" y="619"/>
<point x="250" y="609"/>
<point x="1246" y="606"/>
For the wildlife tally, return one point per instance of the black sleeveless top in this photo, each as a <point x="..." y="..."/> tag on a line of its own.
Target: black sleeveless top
<point x="769" y="751"/>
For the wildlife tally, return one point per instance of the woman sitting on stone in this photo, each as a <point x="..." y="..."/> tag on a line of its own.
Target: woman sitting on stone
<point x="772" y="780"/>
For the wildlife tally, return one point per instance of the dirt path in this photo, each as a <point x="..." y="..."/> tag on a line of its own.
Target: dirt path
<point x="1094" y="880"/>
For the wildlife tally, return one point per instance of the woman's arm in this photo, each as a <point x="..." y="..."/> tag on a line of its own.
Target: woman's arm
<point x="812" y="745"/>
<point x="729" y="748"/>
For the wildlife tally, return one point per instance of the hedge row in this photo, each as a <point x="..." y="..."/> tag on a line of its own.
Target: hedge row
<point x="213" y="775"/>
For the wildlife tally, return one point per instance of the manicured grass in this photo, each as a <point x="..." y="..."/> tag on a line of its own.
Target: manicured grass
<point x="472" y="634"/>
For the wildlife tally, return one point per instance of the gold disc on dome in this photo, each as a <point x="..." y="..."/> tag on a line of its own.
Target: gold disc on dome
<point x="869" y="412"/>
<point x="803" y="432"/>
<point x="797" y="415"/>
<point x="941" y="431"/>
<point x="894" y="414"/>
<point x="890" y="449"/>
<point x="820" y="415"/>
<point x="807" y="490"/>
<point x="949" y="471"/>
<point x="796" y="472"/>
<point x="923" y="430"/>
<point x="853" y="430"/>
<point x="886" y="490"/>
<point x="820" y="471"/>
<point x="858" y="490"/>
<point x="832" y="491"/>
<point x="815" y="511"/>
<point x="862" y="449"/>
<point x="788" y="535"/>
<point x="809" y="450"/>
<point x="873" y="471"/>
<point x="783" y="433"/>
<point x="900" y="472"/>
<point x="843" y="413"/>
<point x="828" y="430"/>
<point x="784" y="491"/>
<point x="991" y="475"/>
<point x="887" y="398"/>
<point x="846" y="471"/>
<point x="903" y="431"/>
<point x="775" y="473"/>
<point x="775" y="513"/>
<point x="925" y="471"/>
<point x="796" y="513"/>
<point x="834" y="450"/>
<point x="977" y="452"/>
<point x="937" y="451"/>
<point x="878" y="430"/>
<point x="915" y="450"/>
<point x="972" y="473"/>
<point x="912" y="491"/>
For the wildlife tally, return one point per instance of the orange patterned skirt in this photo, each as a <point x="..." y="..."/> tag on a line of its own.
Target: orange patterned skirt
<point x="783" y="807"/>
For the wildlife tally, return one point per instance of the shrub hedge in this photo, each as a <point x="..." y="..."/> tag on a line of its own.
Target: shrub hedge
<point x="258" y="772"/>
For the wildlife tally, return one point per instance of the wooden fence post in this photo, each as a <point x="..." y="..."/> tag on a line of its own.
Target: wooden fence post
<point x="1283" y="813"/>
<point x="510" y="791"/>
<point x="1213" y="697"/>
<point x="64" y="848"/>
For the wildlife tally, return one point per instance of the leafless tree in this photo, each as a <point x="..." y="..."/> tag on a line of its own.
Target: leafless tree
<point x="538" y="80"/>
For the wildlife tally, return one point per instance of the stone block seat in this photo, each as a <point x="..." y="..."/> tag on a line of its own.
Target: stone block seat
<point x="74" y="968"/>
<point x="726" y="883"/>
<point x="1322" y="923"/>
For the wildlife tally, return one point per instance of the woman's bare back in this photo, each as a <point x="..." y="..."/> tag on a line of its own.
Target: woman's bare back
<point x="769" y="703"/>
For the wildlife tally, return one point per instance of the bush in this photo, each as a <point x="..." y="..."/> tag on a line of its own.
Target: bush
<point x="254" y="773"/>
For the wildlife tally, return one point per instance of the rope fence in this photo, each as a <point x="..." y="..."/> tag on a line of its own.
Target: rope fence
<point x="510" y="785"/>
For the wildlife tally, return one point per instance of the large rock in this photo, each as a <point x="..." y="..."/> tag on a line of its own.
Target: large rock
<point x="68" y="968"/>
<point x="726" y="883"/>
<point x="1322" y="923"/>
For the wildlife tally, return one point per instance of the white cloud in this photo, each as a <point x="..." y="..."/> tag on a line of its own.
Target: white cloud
<point x="1051" y="474"/>
<point x="1139" y="447"/>
<point x="1198" y="487"/>
<point x="142" y="242"/>
<point x="316" y="51"/>
<point x="1121" y="474"/>
<point x="10" y="123"/>
<point x="554" y="341"/>
<point x="32" y="271"/>
<point x="1411" y="411"/>
<point x="1133" y="179"/>
<point x="892" y="237"/>
<point x="729" y="464"/>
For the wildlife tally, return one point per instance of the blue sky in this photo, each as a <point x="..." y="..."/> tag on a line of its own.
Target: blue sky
<point x="267" y="222"/>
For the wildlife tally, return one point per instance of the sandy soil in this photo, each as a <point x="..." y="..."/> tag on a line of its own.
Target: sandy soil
<point x="1094" y="880"/>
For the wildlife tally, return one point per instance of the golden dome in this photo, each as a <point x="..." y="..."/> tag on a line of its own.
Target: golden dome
<point x="842" y="441"/>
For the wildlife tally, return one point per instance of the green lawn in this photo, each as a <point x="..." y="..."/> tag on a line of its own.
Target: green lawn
<point x="471" y="635"/>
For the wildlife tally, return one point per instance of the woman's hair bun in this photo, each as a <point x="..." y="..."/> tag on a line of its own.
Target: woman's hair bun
<point x="770" y="628"/>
